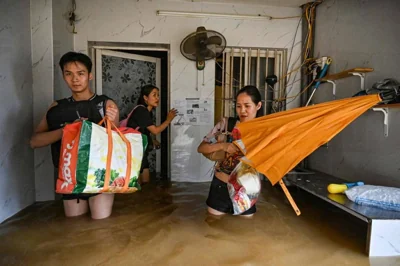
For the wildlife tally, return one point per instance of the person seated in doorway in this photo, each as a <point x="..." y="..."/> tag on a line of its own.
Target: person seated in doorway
<point x="82" y="104"/>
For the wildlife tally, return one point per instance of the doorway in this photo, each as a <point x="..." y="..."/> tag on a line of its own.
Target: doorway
<point x="120" y="72"/>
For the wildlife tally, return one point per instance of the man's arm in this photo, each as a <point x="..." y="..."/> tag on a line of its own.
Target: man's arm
<point x="112" y="112"/>
<point x="42" y="136"/>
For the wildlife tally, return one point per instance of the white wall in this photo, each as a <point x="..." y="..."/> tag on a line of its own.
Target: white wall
<point x="63" y="41"/>
<point x="360" y="34"/>
<point x="50" y="40"/>
<point x="136" y="22"/>
<point x="42" y="71"/>
<point x="17" y="187"/>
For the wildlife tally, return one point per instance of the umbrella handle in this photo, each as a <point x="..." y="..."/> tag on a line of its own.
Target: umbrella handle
<point x="289" y="197"/>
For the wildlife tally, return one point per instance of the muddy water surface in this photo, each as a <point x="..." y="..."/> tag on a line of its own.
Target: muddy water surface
<point x="167" y="224"/>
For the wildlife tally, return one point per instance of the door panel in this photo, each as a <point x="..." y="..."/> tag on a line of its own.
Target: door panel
<point x="122" y="76"/>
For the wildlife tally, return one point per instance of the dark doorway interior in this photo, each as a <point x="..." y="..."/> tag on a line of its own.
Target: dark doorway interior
<point x="163" y="55"/>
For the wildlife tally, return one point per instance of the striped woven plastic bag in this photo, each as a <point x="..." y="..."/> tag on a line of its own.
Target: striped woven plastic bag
<point x="95" y="159"/>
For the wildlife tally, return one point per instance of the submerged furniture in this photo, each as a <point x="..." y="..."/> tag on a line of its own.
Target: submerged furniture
<point x="383" y="235"/>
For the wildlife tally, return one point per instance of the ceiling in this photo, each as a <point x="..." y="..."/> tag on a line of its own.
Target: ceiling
<point x="283" y="3"/>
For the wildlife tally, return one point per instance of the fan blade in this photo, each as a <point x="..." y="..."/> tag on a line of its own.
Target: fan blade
<point x="207" y="54"/>
<point x="214" y="40"/>
<point x="190" y="45"/>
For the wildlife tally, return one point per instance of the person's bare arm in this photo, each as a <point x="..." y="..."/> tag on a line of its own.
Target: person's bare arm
<point x="112" y="112"/>
<point x="42" y="136"/>
<point x="206" y="148"/>
<point x="158" y="129"/>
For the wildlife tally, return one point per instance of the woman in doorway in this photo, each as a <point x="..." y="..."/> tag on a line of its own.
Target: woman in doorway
<point x="142" y="117"/>
<point x="248" y="106"/>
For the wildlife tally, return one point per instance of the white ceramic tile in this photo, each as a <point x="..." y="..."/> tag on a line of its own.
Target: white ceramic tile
<point x="43" y="82"/>
<point x="16" y="158"/>
<point x="385" y="238"/>
<point x="137" y="22"/>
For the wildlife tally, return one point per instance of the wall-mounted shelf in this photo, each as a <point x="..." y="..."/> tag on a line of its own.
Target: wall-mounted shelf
<point x="384" y="108"/>
<point x="347" y="73"/>
<point x="358" y="71"/>
<point x="393" y="105"/>
<point x="385" y="112"/>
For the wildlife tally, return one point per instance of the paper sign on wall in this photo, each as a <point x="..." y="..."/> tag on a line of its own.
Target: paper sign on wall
<point x="194" y="111"/>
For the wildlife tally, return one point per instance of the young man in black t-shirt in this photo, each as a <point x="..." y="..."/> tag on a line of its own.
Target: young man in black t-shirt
<point x="83" y="104"/>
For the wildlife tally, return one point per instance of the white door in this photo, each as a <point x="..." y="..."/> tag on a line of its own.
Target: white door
<point x="120" y="76"/>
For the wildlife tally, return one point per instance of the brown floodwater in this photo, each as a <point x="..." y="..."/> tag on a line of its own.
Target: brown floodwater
<point x="167" y="224"/>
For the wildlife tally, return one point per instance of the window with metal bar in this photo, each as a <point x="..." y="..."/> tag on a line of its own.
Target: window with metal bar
<point x="238" y="67"/>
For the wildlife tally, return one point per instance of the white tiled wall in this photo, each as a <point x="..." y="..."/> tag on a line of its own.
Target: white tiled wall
<point x="42" y="71"/>
<point x="16" y="158"/>
<point x="137" y="22"/>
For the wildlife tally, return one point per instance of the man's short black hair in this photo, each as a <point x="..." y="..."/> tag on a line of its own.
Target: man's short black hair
<point x="76" y="57"/>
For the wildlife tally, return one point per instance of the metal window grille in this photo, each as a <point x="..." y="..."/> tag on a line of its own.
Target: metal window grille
<point x="250" y="66"/>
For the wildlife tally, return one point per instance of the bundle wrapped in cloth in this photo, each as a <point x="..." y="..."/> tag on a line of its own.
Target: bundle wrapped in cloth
<point x="95" y="159"/>
<point x="244" y="186"/>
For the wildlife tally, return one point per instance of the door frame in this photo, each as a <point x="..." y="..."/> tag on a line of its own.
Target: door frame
<point x="94" y="46"/>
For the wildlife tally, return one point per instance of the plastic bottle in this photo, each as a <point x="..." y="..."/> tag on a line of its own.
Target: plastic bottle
<point x="340" y="188"/>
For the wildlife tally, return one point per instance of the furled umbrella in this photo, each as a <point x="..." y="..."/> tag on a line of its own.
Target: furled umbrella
<point x="276" y="143"/>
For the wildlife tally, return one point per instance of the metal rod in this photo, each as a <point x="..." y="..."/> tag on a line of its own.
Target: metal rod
<point x="240" y="68"/>
<point x="246" y="69"/>
<point x="249" y="81"/>
<point x="258" y="70"/>
<point x="223" y="83"/>
<point x="312" y="94"/>
<point x="266" y="85"/>
<point x="284" y="71"/>
<point x="281" y="94"/>
<point x="276" y="72"/>
<point x="231" y="86"/>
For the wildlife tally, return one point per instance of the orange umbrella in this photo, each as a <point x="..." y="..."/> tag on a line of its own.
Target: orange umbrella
<point x="275" y="144"/>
